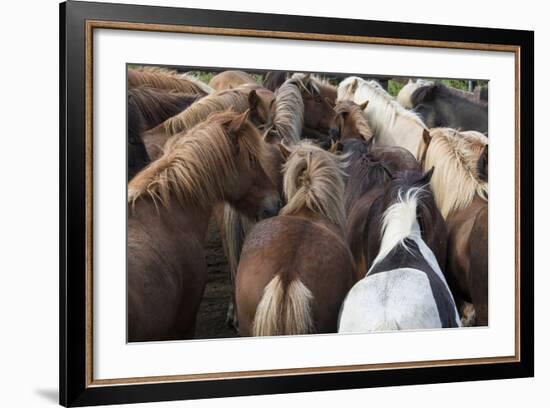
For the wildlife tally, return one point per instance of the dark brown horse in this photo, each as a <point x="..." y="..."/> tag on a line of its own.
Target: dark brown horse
<point x="461" y="191"/>
<point x="370" y="172"/>
<point x="296" y="268"/>
<point x="170" y="204"/>
<point x="147" y="108"/>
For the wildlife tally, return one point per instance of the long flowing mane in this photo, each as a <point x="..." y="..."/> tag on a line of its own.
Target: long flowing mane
<point x="357" y="115"/>
<point x="289" y="112"/>
<point x="148" y="107"/>
<point x="196" y="169"/>
<point x="320" y="85"/>
<point x="204" y="87"/>
<point x="158" y="80"/>
<point x="313" y="180"/>
<point x="156" y="70"/>
<point x="455" y="155"/>
<point x="383" y="109"/>
<point x="217" y="102"/>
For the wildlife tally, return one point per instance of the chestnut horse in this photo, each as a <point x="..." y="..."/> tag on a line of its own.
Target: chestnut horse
<point x="231" y="79"/>
<point x="170" y="203"/>
<point x="404" y="288"/>
<point x="148" y="107"/>
<point x="392" y="124"/>
<point x="461" y="191"/>
<point x="238" y="99"/>
<point x="350" y="122"/>
<point x="296" y="268"/>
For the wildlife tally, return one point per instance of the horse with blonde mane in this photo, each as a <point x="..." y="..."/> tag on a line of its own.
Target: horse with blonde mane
<point x="461" y="191"/>
<point x="238" y="99"/>
<point x="296" y="268"/>
<point x="404" y="288"/>
<point x="170" y="204"/>
<point x="231" y="79"/>
<point x="168" y="82"/>
<point x="392" y="124"/>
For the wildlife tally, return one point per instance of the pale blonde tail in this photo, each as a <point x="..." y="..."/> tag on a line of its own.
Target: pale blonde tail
<point x="284" y="312"/>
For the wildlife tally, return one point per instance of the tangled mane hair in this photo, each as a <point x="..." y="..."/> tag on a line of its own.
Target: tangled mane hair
<point x="198" y="168"/>
<point x="383" y="109"/>
<point x="274" y="79"/>
<point x="234" y="99"/>
<point x="455" y="157"/>
<point x="156" y="70"/>
<point x="355" y="113"/>
<point x="364" y="171"/>
<point x="313" y="179"/>
<point x="149" y="107"/>
<point x="288" y="118"/>
<point x="313" y="84"/>
<point x="137" y="78"/>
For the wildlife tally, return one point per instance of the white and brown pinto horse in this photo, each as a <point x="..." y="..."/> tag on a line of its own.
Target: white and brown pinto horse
<point x="392" y="124"/>
<point x="461" y="191"/>
<point x="405" y="288"/>
<point x="170" y="204"/>
<point x="296" y="268"/>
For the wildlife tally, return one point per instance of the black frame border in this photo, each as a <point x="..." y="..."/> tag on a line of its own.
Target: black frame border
<point x="73" y="390"/>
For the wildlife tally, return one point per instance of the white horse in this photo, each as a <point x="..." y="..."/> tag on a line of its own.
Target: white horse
<point x="404" y="95"/>
<point x="393" y="125"/>
<point x="405" y="288"/>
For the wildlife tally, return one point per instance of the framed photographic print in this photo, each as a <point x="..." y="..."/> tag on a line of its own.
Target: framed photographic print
<point x="256" y="204"/>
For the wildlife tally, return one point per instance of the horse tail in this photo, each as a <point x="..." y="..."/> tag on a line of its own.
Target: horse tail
<point x="284" y="310"/>
<point x="387" y="325"/>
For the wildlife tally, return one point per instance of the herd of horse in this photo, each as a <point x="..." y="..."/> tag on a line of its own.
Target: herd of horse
<point x="340" y="207"/>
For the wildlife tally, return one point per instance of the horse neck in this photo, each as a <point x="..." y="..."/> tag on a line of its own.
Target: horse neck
<point x="175" y="218"/>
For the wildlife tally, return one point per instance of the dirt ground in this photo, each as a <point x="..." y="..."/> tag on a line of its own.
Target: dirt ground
<point x="213" y="308"/>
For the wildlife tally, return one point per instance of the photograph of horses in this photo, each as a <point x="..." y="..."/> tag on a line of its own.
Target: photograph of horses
<point x="267" y="203"/>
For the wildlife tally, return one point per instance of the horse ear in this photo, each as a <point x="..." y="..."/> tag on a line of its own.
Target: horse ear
<point x="364" y="105"/>
<point x="426" y="178"/>
<point x="336" y="147"/>
<point x="353" y="85"/>
<point x="238" y="121"/>
<point x="426" y="137"/>
<point x="483" y="164"/>
<point x="285" y="151"/>
<point x="253" y="100"/>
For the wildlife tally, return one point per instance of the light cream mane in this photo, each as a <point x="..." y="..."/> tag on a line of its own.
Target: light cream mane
<point x="200" y="110"/>
<point x="454" y="155"/>
<point x="404" y="95"/>
<point x="357" y="115"/>
<point x="313" y="180"/>
<point x="289" y="112"/>
<point x="197" y="169"/>
<point x="383" y="110"/>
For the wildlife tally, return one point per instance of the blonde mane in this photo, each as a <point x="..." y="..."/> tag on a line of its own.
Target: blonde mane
<point x="454" y="155"/>
<point x="404" y="95"/>
<point x="313" y="180"/>
<point x="161" y="80"/>
<point x="357" y="115"/>
<point x="383" y="110"/>
<point x="200" y="110"/>
<point x="197" y="169"/>
<point x="289" y="112"/>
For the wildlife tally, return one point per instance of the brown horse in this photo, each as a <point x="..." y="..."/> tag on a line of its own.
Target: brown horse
<point x="274" y="79"/>
<point x="159" y="80"/>
<point x="239" y="100"/>
<point x="350" y="122"/>
<point x="319" y="98"/>
<point x="148" y="107"/>
<point x="370" y="173"/>
<point x="231" y="79"/>
<point x="296" y="268"/>
<point x="170" y="204"/>
<point x="461" y="191"/>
